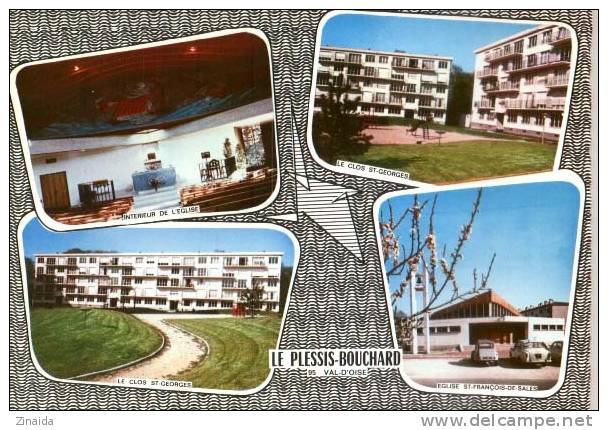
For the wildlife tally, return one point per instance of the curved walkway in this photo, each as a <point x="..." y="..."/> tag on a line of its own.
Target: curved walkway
<point x="182" y="351"/>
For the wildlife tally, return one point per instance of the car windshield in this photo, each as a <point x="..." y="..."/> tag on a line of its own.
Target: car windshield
<point x="486" y="345"/>
<point x="535" y="345"/>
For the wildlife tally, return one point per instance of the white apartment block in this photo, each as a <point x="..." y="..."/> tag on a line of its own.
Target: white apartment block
<point x="521" y="83"/>
<point x="395" y="84"/>
<point x="169" y="282"/>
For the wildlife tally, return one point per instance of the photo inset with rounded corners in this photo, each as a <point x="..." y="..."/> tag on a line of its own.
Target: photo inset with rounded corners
<point x="186" y="306"/>
<point x="481" y="282"/>
<point x="439" y="100"/>
<point x="182" y="127"/>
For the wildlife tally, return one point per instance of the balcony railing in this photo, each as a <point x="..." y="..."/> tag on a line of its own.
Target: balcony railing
<point x="484" y="104"/>
<point x="546" y="103"/>
<point x="558" y="81"/>
<point x="502" y="87"/>
<point x="539" y="61"/>
<point x="486" y="73"/>
<point x="504" y="52"/>
<point x="559" y="36"/>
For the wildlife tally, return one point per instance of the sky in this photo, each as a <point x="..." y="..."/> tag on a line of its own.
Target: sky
<point x="38" y="239"/>
<point x="452" y="38"/>
<point x="531" y="228"/>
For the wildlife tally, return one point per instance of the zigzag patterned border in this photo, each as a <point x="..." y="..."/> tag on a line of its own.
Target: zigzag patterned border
<point x="335" y="301"/>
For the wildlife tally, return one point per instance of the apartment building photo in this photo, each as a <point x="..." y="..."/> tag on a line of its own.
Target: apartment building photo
<point x="168" y="282"/>
<point x="521" y="83"/>
<point x="393" y="84"/>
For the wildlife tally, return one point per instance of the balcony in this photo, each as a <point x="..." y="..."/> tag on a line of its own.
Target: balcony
<point x="487" y="73"/>
<point x="506" y="52"/>
<point x="557" y="81"/>
<point x="540" y="62"/>
<point x="246" y="266"/>
<point x="502" y="87"/>
<point x="484" y="104"/>
<point x="560" y="37"/>
<point x="546" y="103"/>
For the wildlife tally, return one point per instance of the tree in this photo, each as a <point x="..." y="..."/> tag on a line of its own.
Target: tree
<point x="337" y="128"/>
<point x="420" y="256"/>
<point x="30" y="275"/>
<point x="460" y="95"/>
<point x="285" y="281"/>
<point x="252" y="299"/>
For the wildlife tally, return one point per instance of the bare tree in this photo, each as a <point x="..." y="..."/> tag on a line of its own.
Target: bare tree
<point x="418" y="254"/>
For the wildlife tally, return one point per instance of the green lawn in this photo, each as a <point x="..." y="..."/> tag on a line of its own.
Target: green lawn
<point x="239" y="351"/>
<point x="70" y="342"/>
<point x="463" y="161"/>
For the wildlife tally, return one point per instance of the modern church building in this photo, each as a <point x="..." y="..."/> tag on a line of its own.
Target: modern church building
<point x="488" y="316"/>
<point x="169" y="282"/>
<point x="521" y="83"/>
<point x="396" y="84"/>
<point x="186" y="124"/>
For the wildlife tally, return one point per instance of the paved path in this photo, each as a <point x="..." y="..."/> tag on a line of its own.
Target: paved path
<point x="180" y="353"/>
<point x="431" y="371"/>
<point x="398" y="135"/>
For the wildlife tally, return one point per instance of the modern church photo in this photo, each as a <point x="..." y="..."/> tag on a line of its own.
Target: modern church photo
<point x="187" y="124"/>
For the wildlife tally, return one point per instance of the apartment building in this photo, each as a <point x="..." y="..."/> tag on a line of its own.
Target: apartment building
<point x="521" y="83"/>
<point x="394" y="84"/>
<point x="170" y="282"/>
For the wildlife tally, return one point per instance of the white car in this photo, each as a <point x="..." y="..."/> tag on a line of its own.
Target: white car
<point x="530" y="352"/>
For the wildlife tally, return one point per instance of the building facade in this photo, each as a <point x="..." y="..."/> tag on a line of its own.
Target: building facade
<point x="394" y="84"/>
<point x="488" y="316"/>
<point x="169" y="282"/>
<point x="521" y="83"/>
<point x="549" y="308"/>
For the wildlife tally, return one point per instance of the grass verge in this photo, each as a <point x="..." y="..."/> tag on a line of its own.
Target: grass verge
<point x="69" y="342"/>
<point x="239" y="351"/>
<point x="461" y="161"/>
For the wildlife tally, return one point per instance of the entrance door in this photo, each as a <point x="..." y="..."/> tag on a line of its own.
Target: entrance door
<point x="173" y="305"/>
<point x="55" y="193"/>
<point x="113" y="302"/>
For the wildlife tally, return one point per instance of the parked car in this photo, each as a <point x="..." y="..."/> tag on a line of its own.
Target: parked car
<point x="530" y="352"/>
<point x="556" y="351"/>
<point x="484" y="352"/>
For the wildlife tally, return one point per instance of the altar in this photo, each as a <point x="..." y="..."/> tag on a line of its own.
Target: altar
<point x="153" y="180"/>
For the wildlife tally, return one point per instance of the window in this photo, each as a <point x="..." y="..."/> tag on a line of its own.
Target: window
<point x="556" y="119"/>
<point x="226" y="305"/>
<point x="383" y="59"/>
<point x="40" y="270"/>
<point x="353" y="70"/>
<point x="354" y="58"/>
<point x="525" y="119"/>
<point x="188" y="261"/>
<point x="442" y="64"/>
<point x="428" y="64"/>
<point x="202" y="260"/>
<point x="273" y="282"/>
<point x="273" y="260"/>
<point x="441" y="89"/>
<point x="512" y="118"/>
<point x="187" y="302"/>
<point x="102" y="290"/>
<point x="322" y="79"/>
<point x="148" y="301"/>
<point x="547" y="36"/>
<point x="71" y="261"/>
<point x="175" y="282"/>
<point x="161" y="282"/>
<point x="124" y="291"/>
<point x="227" y="283"/>
<point x="175" y="271"/>
<point x="339" y="68"/>
<point x="370" y="71"/>
<point x="138" y="281"/>
<point x="228" y="261"/>
<point x="80" y="290"/>
<point x="413" y="63"/>
<point x="410" y="88"/>
<point x="200" y="303"/>
<point x="40" y="260"/>
<point x="518" y="46"/>
<point x="202" y="272"/>
<point x="114" y="270"/>
<point x="212" y="304"/>
<point x="125" y="299"/>
<point x="139" y="260"/>
<point x="92" y="260"/>
<point x="242" y="283"/>
<point x="559" y="327"/>
<point x="370" y="58"/>
<point x="394" y="110"/>
<point x="82" y="260"/>
<point x="532" y="41"/>
<point x="215" y="260"/>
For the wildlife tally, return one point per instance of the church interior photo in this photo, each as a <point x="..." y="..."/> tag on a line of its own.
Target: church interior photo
<point x="168" y="126"/>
